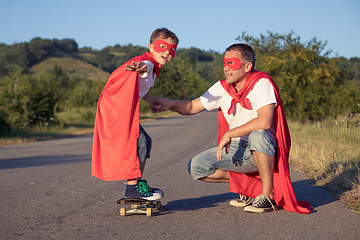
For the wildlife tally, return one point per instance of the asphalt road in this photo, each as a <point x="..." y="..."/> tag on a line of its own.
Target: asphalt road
<point x="47" y="192"/>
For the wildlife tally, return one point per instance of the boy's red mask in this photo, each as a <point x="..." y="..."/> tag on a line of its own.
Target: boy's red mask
<point x="171" y="47"/>
<point x="236" y="63"/>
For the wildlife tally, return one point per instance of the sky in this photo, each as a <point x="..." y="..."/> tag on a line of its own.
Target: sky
<point x="207" y="25"/>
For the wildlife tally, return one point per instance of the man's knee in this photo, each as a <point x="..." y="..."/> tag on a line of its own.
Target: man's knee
<point x="189" y="166"/>
<point x="199" y="169"/>
<point x="257" y="136"/>
<point x="262" y="141"/>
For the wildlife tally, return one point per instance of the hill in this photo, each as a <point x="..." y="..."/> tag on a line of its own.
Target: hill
<point x="74" y="68"/>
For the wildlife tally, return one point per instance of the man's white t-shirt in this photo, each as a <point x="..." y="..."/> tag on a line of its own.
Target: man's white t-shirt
<point x="147" y="79"/>
<point x="216" y="97"/>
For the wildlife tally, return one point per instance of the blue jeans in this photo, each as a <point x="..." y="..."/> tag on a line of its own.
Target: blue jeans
<point x="239" y="159"/>
<point x="144" y="145"/>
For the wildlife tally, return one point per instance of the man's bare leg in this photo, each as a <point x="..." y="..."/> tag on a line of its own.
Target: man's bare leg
<point x="220" y="176"/>
<point x="265" y="164"/>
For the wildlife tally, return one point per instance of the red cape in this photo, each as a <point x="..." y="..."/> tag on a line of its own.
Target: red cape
<point x="250" y="184"/>
<point x="116" y="130"/>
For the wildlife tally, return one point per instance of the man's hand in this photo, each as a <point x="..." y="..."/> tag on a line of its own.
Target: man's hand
<point x="136" y="67"/>
<point x="224" y="143"/>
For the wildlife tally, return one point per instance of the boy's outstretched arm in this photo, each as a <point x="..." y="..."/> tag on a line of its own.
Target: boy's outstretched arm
<point x="184" y="107"/>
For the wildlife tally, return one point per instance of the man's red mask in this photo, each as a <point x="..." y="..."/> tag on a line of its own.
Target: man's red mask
<point x="233" y="63"/>
<point x="162" y="46"/>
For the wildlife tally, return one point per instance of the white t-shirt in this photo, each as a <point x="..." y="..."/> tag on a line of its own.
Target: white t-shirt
<point x="147" y="79"/>
<point x="216" y="97"/>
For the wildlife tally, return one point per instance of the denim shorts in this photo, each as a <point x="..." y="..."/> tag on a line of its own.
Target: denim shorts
<point x="239" y="159"/>
<point x="144" y="145"/>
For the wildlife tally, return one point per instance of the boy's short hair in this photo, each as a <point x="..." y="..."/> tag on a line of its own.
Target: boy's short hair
<point x="246" y="52"/>
<point x="163" y="33"/>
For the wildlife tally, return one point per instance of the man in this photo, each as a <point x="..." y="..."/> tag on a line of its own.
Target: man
<point x="254" y="141"/>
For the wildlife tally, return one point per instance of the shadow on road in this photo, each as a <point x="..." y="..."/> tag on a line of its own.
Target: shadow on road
<point x="305" y="191"/>
<point x="317" y="196"/>
<point x="42" y="161"/>
<point x="201" y="202"/>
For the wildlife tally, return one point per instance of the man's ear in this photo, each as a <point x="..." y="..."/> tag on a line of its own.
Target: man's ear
<point x="248" y="66"/>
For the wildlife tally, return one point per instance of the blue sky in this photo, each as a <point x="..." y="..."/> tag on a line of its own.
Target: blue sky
<point x="207" y="25"/>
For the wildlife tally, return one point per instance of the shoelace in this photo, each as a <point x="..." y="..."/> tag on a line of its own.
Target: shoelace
<point x="242" y="198"/>
<point x="144" y="188"/>
<point x="147" y="186"/>
<point x="260" y="200"/>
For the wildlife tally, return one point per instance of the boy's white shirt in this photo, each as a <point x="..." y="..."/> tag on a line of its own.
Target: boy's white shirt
<point x="146" y="79"/>
<point x="216" y="97"/>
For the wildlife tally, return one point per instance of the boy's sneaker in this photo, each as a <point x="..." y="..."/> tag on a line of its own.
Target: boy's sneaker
<point x="261" y="204"/>
<point x="141" y="190"/>
<point x="243" y="201"/>
<point x="153" y="190"/>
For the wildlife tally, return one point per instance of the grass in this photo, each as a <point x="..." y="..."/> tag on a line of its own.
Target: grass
<point x="329" y="153"/>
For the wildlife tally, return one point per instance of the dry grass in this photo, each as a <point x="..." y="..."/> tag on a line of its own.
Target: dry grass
<point x="329" y="153"/>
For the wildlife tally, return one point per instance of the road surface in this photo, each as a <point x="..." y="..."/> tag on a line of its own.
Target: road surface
<point x="47" y="192"/>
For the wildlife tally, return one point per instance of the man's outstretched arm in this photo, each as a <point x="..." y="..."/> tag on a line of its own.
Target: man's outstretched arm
<point x="184" y="107"/>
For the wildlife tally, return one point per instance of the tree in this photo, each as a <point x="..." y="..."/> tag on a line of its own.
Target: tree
<point x="311" y="84"/>
<point x="25" y="101"/>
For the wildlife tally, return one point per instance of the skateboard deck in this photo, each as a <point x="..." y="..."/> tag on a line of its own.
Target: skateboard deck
<point x="138" y="206"/>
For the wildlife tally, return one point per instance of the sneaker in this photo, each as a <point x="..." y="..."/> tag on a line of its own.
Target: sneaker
<point x="243" y="201"/>
<point x="141" y="190"/>
<point x="261" y="204"/>
<point x="153" y="190"/>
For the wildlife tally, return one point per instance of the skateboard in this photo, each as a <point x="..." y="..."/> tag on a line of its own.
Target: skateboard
<point x="138" y="205"/>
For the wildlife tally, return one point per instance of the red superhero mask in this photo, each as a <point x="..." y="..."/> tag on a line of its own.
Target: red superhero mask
<point x="233" y="63"/>
<point x="162" y="46"/>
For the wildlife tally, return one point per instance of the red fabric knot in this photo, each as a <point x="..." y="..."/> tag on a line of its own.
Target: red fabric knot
<point x="244" y="102"/>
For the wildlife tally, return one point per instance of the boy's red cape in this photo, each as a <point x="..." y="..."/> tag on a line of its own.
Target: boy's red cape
<point x="116" y="130"/>
<point x="250" y="184"/>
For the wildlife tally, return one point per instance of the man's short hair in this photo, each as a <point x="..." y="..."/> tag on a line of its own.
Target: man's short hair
<point x="246" y="51"/>
<point x="163" y="33"/>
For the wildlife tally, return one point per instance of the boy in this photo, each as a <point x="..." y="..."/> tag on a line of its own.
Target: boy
<point x="120" y="144"/>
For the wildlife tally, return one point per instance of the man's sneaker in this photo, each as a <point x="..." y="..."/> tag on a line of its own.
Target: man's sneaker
<point x="141" y="190"/>
<point x="243" y="201"/>
<point x="261" y="204"/>
<point x="153" y="190"/>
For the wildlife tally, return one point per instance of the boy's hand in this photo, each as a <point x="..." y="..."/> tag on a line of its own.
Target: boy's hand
<point x="136" y="67"/>
<point x="159" y="104"/>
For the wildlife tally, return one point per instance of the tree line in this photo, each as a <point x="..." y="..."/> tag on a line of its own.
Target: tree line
<point x="313" y="86"/>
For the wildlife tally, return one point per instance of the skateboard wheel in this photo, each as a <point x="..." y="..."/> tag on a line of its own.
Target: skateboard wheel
<point x="122" y="212"/>
<point x="148" y="212"/>
<point x="158" y="205"/>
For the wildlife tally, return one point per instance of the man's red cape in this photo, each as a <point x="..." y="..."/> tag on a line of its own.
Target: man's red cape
<point x="250" y="184"/>
<point x="116" y="130"/>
